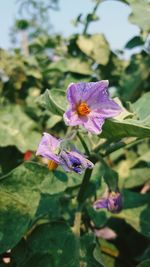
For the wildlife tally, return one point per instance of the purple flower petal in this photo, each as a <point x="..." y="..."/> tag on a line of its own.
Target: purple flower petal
<point x="75" y="91"/>
<point x="74" y="161"/>
<point x="48" y="146"/>
<point x="108" y="109"/>
<point x="101" y="203"/>
<point x="71" y="118"/>
<point x="94" y="124"/>
<point x="86" y="92"/>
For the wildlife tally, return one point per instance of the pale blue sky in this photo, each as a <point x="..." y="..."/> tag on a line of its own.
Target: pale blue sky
<point x="113" y="20"/>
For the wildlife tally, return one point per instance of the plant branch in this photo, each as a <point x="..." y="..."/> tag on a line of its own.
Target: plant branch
<point x="92" y="13"/>
<point x="83" y="144"/>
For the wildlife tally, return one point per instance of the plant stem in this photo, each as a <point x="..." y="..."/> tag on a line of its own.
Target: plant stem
<point x="83" y="143"/>
<point x="81" y="198"/>
<point x="121" y="144"/>
<point x="77" y="223"/>
<point x="87" y="20"/>
<point x="84" y="185"/>
<point x="114" y="147"/>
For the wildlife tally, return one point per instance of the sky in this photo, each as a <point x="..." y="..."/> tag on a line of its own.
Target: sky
<point x="113" y="20"/>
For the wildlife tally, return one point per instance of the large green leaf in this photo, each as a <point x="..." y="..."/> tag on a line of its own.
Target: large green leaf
<point x="22" y="202"/>
<point x="57" y="240"/>
<point x="17" y="129"/>
<point x="96" y="47"/>
<point x="138" y="126"/>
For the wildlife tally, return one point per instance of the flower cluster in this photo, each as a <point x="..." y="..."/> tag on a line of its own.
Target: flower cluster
<point x="89" y="106"/>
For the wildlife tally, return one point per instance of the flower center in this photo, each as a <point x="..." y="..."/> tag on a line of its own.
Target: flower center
<point x="52" y="165"/>
<point x="83" y="109"/>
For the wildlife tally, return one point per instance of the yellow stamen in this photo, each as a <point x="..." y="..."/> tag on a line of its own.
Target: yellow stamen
<point x="83" y="109"/>
<point x="52" y="165"/>
<point x="113" y="194"/>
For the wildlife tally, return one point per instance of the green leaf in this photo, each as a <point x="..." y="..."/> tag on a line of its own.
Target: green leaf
<point x="145" y="263"/>
<point x="53" y="120"/>
<point x="138" y="126"/>
<point x="15" y="217"/>
<point x="17" y="129"/>
<point x="96" y="47"/>
<point x="57" y="240"/>
<point x="133" y="79"/>
<point x="21" y="200"/>
<point x="74" y="65"/>
<point x="98" y="255"/>
<point x="140" y="14"/>
<point x="134" y="42"/>
<point x="110" y="177"/>
<point x="55" y="101"/>
<point x="137" y="177"/>
<point x="142" y="108"/>
<point x="136" y="211"/>
<point x="99" y="218"/>
<point x="39" y="260"/>
<point x="88" y="255"/>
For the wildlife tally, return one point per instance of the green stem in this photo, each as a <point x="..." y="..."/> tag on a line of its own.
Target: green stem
<point x="83" y="144"/>
<point x="115" y="147"/>
<point x="88" y="21"/>
<point x="77" y="223"/>
<point x="119" y="145"/>
<point x="84" y="185"/>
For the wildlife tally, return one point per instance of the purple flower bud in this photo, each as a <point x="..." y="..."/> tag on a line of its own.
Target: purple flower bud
<point x="90" y="105"/>
<point x="113" y="202"/>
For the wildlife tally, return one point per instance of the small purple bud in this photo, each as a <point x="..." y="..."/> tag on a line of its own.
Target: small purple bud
<point x="113" y="202"/>
<point x="101" y="203"/>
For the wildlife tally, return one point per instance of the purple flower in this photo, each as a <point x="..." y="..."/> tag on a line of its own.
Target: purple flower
<point x="90" y="105"/>
<point x="49" y="148"/>
<point x="113" y="202"/>
<point x="70" y="160"/>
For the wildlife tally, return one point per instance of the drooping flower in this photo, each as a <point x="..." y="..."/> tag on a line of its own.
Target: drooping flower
<point x="113" y="202"/>
<point x="49" y="148"/>
<point x="90" y="105"/>
<point x="71" y="160"/>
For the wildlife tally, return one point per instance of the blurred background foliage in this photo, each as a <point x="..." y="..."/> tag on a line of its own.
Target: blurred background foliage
<point x="37" y="207"/>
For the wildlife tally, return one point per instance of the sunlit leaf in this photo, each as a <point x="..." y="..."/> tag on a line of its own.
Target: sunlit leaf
<point x="96" y="47"/>
<point x="17" y="129"/>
